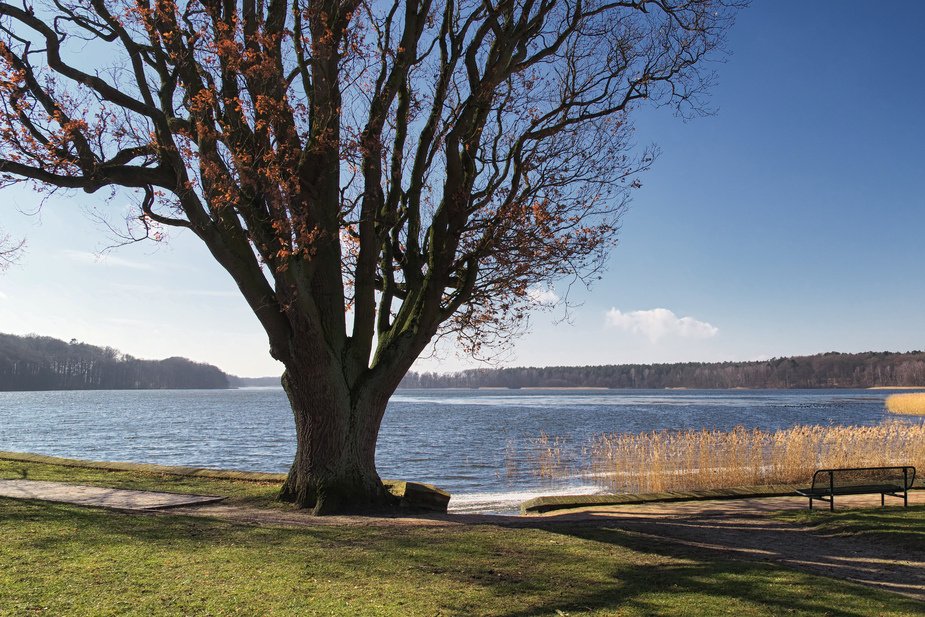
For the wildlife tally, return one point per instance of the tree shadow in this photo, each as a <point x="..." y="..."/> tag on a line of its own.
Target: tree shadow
<point x="724" y="551"/>
<point x="748" y="559"/>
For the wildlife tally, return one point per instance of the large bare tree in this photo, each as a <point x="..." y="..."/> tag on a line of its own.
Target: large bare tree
<point x="371" y="174"/>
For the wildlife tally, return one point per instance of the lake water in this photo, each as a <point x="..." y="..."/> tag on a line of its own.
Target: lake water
<point x="454" y="439"/>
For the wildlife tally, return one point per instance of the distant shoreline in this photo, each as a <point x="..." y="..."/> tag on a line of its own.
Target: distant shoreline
<point x="896" y="388"/>
<point x="277" y="386"/>
<point x="831" y="370"/>
<point x="491" y="388"/>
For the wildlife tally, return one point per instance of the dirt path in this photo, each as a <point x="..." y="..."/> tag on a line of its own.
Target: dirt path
<point x="736" y="529"/>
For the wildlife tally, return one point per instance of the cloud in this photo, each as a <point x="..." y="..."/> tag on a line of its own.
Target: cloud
<point x="545" y="296"/>
<point x="659" y="322"/>
<point x="3" y="296"/>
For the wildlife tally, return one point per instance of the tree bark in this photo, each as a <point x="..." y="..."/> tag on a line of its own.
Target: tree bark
<point x="334" y="470"/>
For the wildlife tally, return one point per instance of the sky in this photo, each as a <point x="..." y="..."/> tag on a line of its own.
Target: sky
<point x="790" y="222"/>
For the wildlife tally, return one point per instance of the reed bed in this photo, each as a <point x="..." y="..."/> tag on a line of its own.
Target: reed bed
<point x="543" y="457"/>
<point x="709" y="459"/>
<point x="911" y="403"/>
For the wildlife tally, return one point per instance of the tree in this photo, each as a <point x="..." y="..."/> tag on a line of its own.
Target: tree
<point x="372" y="175"/>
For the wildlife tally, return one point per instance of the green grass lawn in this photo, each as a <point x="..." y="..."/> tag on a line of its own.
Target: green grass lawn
<point x="68" y="560"/>
<point x="903" y="527"/>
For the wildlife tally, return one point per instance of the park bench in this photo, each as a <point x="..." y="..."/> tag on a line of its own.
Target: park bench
<point x="827" y="483"/>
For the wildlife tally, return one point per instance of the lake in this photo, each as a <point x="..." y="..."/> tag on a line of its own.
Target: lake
<point x="454" y="439"/>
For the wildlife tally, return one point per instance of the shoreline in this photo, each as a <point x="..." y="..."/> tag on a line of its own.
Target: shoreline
<point x="200" y="472"/>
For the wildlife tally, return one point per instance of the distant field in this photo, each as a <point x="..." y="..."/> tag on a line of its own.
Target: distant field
<point x="897" y="388"/>
<point x="909" y="404"/>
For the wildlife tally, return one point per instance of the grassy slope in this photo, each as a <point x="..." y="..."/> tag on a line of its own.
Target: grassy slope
<point x="66" y="560"/>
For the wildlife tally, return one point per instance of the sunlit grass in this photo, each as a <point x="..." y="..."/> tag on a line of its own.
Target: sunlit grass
<point x="910" y="403"/>
<point x="61" y="559"/>
<point x="67" y="560"/>
<point x="711" y="459"/>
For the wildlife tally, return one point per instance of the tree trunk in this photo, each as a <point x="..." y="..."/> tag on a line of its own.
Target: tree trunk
<point x="334" y="470"/>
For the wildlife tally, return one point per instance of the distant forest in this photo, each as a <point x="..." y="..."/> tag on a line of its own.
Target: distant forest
<point x="254" y="382"/>
<point x="828" y="370"/>
<point x="45" y="363"/>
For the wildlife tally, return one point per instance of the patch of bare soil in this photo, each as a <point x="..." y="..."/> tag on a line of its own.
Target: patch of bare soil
<point x="737" y="529"/>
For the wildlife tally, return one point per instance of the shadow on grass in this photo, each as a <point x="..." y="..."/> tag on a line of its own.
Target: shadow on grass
<point x="545" y="569"/>
<point x="902" y="527"/>
<point x="714" y="582"/>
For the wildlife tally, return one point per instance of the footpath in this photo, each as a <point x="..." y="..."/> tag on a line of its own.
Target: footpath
<point x="120" y="499"/>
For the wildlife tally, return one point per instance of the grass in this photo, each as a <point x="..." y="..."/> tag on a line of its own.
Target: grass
<point x="710" y="459"/>
<point x="67" y="560"/>
<point x="58" y="559"/>
<point x="912" y="403"/>
<point x="901" y="527"/>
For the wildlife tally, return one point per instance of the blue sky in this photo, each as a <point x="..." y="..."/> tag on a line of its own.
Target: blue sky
<point x="791" y="222"/>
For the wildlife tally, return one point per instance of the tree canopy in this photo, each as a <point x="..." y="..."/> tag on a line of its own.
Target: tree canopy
<point x="371" y="174"/>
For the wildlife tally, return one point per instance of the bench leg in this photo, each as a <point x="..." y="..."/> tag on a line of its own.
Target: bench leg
<point x="881" y="499"/>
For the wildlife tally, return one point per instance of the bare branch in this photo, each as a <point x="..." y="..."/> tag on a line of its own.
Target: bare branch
<point x="10" y="251"/>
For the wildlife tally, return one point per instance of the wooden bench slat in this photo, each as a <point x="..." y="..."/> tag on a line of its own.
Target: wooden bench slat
<point x="868" y="489"/>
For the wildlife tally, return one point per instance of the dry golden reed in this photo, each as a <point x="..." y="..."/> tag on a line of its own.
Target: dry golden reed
<point x="546" y="457"/>
<point x="710" y="459"/>
<point x="911" y="403"/>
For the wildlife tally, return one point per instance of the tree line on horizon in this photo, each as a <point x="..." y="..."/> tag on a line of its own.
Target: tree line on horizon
<point x="828" y="370"/>
<point x="32" y="363"/>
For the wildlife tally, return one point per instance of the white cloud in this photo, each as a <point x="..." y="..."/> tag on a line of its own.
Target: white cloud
<point x="544" y="296"/>
<point x="659" y="322"/>
<point x="3" y="296"/>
